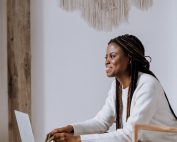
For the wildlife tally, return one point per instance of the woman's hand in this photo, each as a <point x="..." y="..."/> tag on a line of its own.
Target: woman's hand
<point x="67" y="129"/>
<point x="65" y="137"/>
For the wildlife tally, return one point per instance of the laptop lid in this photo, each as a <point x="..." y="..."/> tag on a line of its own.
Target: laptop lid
<point x="24" y="126"/>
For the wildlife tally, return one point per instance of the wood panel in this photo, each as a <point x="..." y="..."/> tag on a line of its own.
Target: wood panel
<point x="19" y="62"/>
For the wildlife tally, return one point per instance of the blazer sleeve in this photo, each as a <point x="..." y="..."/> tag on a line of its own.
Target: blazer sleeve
<point x="103" y="120"/>
<point x="144" y="104"/>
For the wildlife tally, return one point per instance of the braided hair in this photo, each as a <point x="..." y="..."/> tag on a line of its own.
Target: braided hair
<point x="134" y="48"/>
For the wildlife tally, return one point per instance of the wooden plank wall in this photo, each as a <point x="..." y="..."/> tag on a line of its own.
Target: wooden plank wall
<point x="19" y="62"/>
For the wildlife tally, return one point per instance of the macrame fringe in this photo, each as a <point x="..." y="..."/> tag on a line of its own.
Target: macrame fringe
<point x="104" y="15"/>
<point x="143" y="4"/>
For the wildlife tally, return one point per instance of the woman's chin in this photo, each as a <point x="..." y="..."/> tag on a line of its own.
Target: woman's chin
<point x="109" y="75"/>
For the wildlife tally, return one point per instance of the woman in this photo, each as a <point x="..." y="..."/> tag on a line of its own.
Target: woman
<point x="136" y="96"/>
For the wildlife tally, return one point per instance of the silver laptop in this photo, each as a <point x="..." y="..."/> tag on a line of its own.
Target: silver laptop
<point x="24" y="126"/>
<point x="25" y="129"/>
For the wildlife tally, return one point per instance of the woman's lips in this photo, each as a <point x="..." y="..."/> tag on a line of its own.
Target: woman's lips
<point x="108" y="69"/>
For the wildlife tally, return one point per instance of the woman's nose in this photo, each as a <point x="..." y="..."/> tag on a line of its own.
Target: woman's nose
<point x="107" y="61"/>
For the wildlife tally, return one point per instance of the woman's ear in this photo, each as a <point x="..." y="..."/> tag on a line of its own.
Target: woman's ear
<point x="130" y="59"/>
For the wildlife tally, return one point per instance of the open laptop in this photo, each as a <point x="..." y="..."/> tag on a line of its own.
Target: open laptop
<point x="25" y="129"/>
<point x="24" y="126"/>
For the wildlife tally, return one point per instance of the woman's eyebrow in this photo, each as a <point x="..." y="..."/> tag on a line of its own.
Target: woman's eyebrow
<point x="113" y="52"/>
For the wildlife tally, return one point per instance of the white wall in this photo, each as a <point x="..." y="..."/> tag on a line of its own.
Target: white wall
<point x="68" y="78"/>
<point x="3" y="75"/>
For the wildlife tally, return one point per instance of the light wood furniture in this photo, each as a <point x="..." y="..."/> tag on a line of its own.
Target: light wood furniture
<point x="138" y="127"/>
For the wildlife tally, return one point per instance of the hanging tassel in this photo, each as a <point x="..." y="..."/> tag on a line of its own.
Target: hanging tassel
<point x="71" y="5"/>
<point x="143" y="4"/>
<point x="103" y="15"/>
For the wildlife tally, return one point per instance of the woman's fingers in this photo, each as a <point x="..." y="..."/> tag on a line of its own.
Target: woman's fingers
<point x="59" y="137"/>
<point x="66" y="129"/>
<point x="58" y="130"/>
<point x="60" y="140"/>
<point x="50" y="134"/>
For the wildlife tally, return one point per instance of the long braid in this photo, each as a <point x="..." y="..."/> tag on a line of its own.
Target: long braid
<point x="118" y="105"/>
<point x="133" y="47"/>
<point x="134" y="78"/>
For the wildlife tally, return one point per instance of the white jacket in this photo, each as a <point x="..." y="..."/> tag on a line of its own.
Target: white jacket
<point x="149" y="106"/>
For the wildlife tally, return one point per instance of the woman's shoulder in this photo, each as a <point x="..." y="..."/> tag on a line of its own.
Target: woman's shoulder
<point x="144" y="77"/>
<point x="148" y="87"/>
<point x="148" y="80"/>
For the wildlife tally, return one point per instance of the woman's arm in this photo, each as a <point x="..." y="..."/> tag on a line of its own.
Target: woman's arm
<point x="103" y="120"/>
<point x="145" y="103"/>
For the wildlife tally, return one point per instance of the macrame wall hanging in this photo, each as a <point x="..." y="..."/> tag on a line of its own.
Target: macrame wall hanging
<point x="104" y="15"/>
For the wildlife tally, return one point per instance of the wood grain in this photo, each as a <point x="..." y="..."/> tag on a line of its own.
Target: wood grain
<point x="19" y="62"/>
<point x="138" y="127"/>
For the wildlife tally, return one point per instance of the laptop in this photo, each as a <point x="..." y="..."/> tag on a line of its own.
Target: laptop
<point x="24" y="126"/>
<point x="25" y="129"/>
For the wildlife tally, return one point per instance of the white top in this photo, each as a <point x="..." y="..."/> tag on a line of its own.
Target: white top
<point x="149" y="106"/>
<point x="124" y="103"/>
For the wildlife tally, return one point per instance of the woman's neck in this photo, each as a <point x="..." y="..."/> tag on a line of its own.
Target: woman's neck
<point x="124" y="81"/>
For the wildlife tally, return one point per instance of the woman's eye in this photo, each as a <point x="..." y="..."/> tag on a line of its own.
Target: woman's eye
<point x="112" y="56"/>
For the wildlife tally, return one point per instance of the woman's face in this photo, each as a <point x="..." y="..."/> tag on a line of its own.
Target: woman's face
<point x="117" y="61"/>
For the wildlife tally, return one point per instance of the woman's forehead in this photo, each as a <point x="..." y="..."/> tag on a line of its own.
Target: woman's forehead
<point x="113" y="47"/>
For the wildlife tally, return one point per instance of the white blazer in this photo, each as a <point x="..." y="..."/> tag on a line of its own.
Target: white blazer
<point x="149" y="106"/>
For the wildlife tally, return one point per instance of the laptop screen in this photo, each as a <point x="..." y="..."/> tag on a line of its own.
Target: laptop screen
<point x="24" y="126"/>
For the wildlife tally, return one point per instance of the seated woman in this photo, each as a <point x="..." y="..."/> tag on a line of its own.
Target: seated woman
<point x="135" y="96"/>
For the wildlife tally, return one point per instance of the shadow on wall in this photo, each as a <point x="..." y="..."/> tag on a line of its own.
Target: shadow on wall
<point x="3" y="75"/>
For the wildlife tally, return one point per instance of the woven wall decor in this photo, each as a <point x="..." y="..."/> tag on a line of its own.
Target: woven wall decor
<point x="104" y="15"/>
